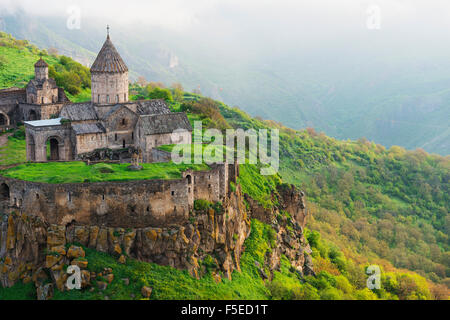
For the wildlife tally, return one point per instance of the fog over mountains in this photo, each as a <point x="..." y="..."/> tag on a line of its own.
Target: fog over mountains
<point x="304" y="63"/>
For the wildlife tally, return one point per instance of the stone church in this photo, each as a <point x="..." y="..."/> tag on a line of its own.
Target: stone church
<point x="57" y="129"/>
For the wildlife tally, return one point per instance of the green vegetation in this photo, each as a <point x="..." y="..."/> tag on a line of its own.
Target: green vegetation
<point x="259" y="187"/>
<point x="19" y="291"/>
<point x="17" y="68"/>
<point x="14" y="151"/>
<point x="79" y="172"/>
<point x="151" y="91"/>
<point x="17" y="62"/>
<point x="70" y="75"/>
<point x="377" y="206"/>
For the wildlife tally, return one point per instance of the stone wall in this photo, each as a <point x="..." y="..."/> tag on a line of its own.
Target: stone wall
<point x="88" y="142"/>
<point x="126" y="204"/>
<point x="25" y="241"/>
<point x="34" y="250"/>
<point x="109" y="88"/>
<point x="148" y="142"/>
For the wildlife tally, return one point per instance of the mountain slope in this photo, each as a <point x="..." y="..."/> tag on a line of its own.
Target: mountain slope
<point x="393" y="97"/>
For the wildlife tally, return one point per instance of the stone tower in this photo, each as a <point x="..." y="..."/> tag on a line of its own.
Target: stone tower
<point x="109" y="75"/>
<point x="41" y="70"/>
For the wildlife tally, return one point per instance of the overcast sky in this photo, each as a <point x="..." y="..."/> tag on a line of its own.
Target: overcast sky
<point x="180" y="14"/>
<point x="288" y="26"/>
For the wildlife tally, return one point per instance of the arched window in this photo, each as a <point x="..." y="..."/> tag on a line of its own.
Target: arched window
<point x="107" y="98"/>
<point x="115" y="137"/>
<point x="4" y="192"/>
<point x="117" y="98"/>
<point x="98" y="99"/>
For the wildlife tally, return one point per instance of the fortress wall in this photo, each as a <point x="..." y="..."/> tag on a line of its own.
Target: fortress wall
<point x="207" y="186"/>
<point x="30" y="112"/>
<point x="12" y="96"/>
<point x="133" y="204"/>
<point x="9" y="114"/>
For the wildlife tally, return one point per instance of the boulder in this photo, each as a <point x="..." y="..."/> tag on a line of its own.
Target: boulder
<point x="146" y="292"/>
<point x="75" y="252"/>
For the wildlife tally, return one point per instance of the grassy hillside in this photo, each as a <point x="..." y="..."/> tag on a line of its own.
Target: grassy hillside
<point x="17" y="59"/>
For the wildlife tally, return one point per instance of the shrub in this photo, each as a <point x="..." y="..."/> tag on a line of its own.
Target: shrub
<point x="201" y="205"/>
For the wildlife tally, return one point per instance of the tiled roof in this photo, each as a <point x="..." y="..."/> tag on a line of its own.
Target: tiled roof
<point x="79" y="112"/>
<point x="41" y="63"/>
<point x="148" y="107"/>
<point x="140" y="107"/>
<point x="164" y="123"/>
<point x="109" y="60"/>
<point x="85" y="128"/>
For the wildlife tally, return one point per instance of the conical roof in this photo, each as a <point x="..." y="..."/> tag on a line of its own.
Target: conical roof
<point x="41" y="63"/>
<point x="109" y="60"/>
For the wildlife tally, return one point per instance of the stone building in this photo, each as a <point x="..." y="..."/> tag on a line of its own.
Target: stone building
<point x="74" y="131"/>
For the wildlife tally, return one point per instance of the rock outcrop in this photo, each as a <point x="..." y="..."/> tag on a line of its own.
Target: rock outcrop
<point x="35" y="251"/>
<point x="288" y="219"/>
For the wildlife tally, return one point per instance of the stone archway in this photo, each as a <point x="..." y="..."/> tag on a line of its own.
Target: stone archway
<point x="53" y="148"/>
<point x="32" y="116"/>
<point x="4" y="119"/>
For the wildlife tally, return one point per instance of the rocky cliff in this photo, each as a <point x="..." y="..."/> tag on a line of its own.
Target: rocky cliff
<point x="33" y="250"/>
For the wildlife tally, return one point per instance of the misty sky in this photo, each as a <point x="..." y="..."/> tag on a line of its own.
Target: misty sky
<point x="274" y="26"/>
<point x="235" y="17"/>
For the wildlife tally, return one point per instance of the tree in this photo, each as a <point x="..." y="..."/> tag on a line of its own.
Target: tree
<point x="177" y="92"/>
<point x="158" y="93"/>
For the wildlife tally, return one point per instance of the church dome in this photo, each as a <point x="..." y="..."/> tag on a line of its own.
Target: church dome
<point x="109" y="60"/>
<point x="41" y="63"/>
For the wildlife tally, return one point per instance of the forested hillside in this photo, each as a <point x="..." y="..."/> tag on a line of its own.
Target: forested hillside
<point x="372" y="204"/>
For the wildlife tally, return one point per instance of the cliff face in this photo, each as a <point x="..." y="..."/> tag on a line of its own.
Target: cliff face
<point x="288" y="219"/>
<point x="32" y="249"/>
